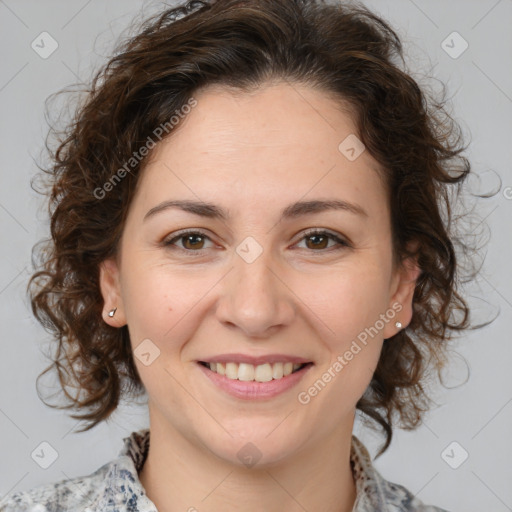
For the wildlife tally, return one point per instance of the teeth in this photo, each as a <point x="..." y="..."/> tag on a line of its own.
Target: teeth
<point x="277" y="371"/>
<point x="245" y="371"/>
<point x="248" y="372"/>
<point x="263" y="373"/>
<point x="231" y="370"/>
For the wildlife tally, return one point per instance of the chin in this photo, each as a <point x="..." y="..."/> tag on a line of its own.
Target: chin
<point x="255" y="448"/>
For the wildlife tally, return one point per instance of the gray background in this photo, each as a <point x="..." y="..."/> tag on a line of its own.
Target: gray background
<point x="477" y="415"/>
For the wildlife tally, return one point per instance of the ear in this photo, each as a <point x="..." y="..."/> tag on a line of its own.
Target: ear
<point x="402" y="289"/>
<point x="111" y="292"/>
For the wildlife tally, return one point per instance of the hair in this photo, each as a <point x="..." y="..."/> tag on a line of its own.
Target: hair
<point x="343" y="50"/>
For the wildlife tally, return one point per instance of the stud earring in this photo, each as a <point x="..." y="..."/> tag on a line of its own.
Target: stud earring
<point x="398" y="325"/>
<point x="112" y="312"/>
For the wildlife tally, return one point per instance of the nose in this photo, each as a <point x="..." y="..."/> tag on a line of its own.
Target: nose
<point x="255" y="298"/>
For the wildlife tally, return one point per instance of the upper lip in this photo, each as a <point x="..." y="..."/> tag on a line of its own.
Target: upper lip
<point x="244" y="358"/>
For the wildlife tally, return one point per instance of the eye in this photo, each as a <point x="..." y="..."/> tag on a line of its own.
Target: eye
<point x="320" y="237"/>
<point x="193" y="240"/>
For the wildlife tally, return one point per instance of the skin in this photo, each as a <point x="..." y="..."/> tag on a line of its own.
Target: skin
<point x="253" y="155"/>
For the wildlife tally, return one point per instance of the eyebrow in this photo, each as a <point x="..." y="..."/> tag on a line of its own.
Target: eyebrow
<point x="294" y="210"/>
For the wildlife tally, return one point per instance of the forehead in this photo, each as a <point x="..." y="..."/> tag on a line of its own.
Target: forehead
<point x="272" y="145"/>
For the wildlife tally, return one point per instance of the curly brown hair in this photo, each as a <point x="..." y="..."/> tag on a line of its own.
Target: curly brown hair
<point x="345" y="51"/>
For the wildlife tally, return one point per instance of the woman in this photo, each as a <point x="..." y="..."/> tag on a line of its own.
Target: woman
<point x="251" y="222"/>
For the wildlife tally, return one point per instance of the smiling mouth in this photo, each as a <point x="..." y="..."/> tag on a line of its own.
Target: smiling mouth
<point x="261" y="373"/>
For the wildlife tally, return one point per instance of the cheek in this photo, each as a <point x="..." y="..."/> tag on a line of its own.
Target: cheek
<point x="150" y="290"/>
<point x="350" y="308"/>
<point x="164" y="304"/>
<point x="150" y="302"/>
<point x="349" y="371"/>
<point x="347" y="301"/>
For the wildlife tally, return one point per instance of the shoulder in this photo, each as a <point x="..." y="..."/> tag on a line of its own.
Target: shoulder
<point x="70" y="494"/>
<point x="113" y="487"/>
<point x="400" y="499"/>
<point x="374" y="492"/>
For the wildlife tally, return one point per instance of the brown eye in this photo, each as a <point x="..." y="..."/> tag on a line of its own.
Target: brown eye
<point x="318" y="241"/>
<point x="192" y="241"/>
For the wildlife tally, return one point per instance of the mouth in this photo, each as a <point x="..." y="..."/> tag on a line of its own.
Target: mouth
<point x="246" y="372"/>
<point x="248" y="382"/>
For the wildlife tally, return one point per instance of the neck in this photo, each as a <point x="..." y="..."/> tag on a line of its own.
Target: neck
<point x="179" y="475"/>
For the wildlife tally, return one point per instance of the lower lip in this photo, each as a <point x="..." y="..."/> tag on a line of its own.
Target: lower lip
<point x="252" y="390"/>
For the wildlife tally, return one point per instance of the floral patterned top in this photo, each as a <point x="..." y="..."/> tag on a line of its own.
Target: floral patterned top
<point x="115" y="487"/>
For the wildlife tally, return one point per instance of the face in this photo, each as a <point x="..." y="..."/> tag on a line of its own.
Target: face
<point x="253" y="281"/>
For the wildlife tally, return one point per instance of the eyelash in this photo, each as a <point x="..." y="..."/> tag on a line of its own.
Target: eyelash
<point x="342" y="244"/>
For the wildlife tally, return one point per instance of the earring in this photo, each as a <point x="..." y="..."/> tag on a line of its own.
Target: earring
<point x="112" y="312"/>
<point x="398" y="325"/>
